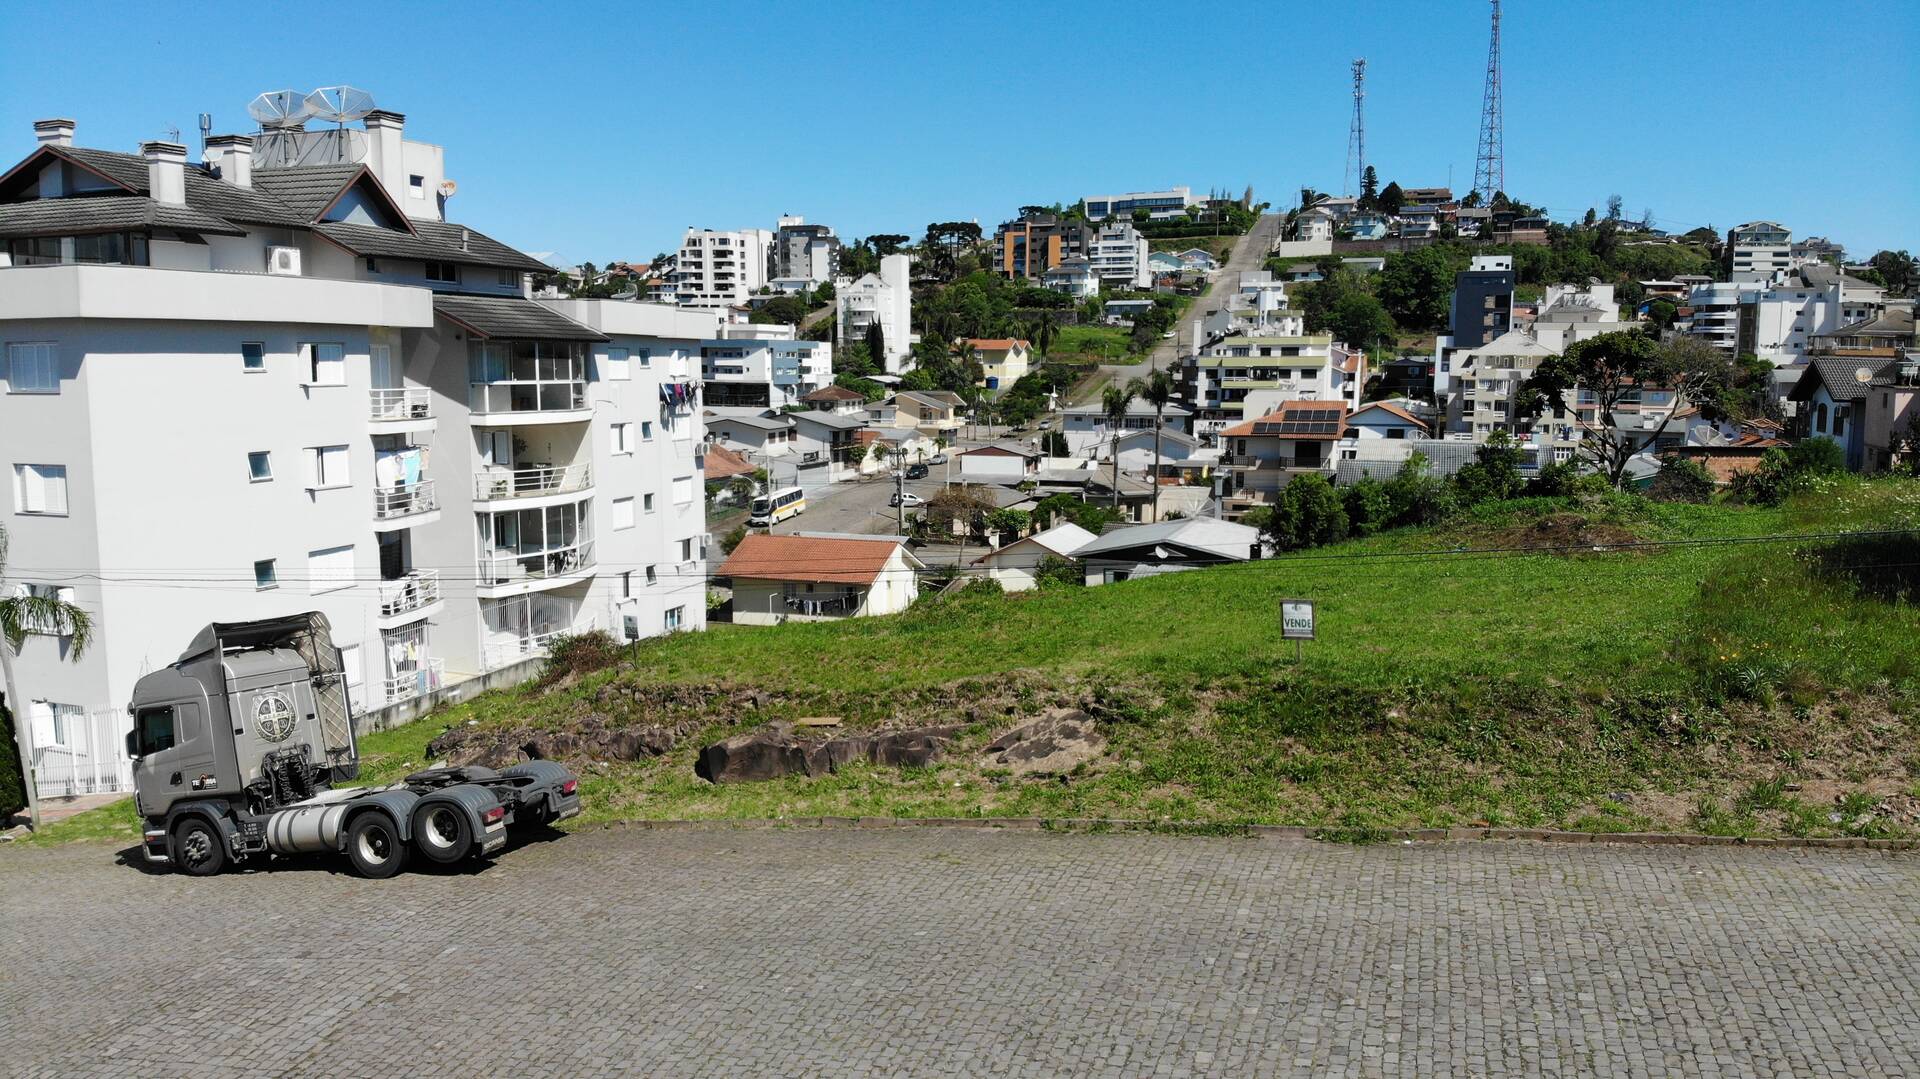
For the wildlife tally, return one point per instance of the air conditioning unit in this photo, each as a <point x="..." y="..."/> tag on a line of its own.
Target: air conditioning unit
<point x="283" y="260"/>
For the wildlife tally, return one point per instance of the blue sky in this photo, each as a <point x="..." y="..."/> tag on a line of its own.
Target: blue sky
<point x="600" y="132"/>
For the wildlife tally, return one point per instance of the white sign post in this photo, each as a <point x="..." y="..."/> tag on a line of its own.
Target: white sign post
<point x="1296" y="623"/>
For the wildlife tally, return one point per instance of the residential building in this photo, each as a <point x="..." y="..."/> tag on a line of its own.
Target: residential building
<point x="1159" y="205"/>
<point x="1150" y="550"/>
<point x="818" y="577"/>
<point x="1425" y="196"/>
<point x="374" y="402"/>
<point x="1261" y="456"/>
<point x="1090" y="434"/>
<point x="1165" y="264"/>
<point x="1003" y="360"/>
<point x="1075" y="277"/>
<point x="753" y="374"/>
<point x="1416" y="222"/>
<point x="1780" y="319"/>
<point x="1367" y="226"/>
<point x="1833" y="393"/>
<point x="838" y="400"/>
<point x="1118" y="255"/>
<point x="1385" y="419"/>
<point x="1481" y="307"/>
<point x="828" y="450"/>
<point x="1484" y="390"/>
<point x="1818" y="249"/>
<point x="1316" y="224"/>
<point x="1017" y="565"/>
<point x="1279" y="360"/>
<point x="1858" y="388"/>
<point x="885" y="298"/>
<point x="1757" y="250"/>
<point x="803" y="257"/>
<point x="717" y="269"/>
<point x="1033" y="244"/>
<point x="932" y="412"/>
<point x="997" y="464"/>
<point x="1199" y="259"/>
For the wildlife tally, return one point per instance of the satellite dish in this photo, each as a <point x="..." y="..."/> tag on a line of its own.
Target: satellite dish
<point x="447" y="188"/>
<point x="339" y="103"/>
<point x="280" y="109"/>
<point x="1863" y="374"/>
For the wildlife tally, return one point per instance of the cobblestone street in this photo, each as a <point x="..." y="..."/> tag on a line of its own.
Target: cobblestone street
<point x="966" y="952"/>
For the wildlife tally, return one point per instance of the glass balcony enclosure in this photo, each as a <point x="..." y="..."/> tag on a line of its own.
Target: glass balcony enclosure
<point x="505" y="377"/>
<point x="535" y="544"/>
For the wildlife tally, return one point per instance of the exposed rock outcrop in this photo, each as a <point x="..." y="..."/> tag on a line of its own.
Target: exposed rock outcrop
<point x="1055" y="744"/>
<point x="773" y="751"/>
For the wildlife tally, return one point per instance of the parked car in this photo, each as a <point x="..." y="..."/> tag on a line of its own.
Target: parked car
<point x="907" y="499"/>
<point x="916" y="472"/>
<point x="938" y="459"/>
<point x="1168" y="336"/>
<point x="1046" y="425"/>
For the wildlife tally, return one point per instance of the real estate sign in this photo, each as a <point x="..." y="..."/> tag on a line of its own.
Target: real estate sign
<point x="1296" y="620"/>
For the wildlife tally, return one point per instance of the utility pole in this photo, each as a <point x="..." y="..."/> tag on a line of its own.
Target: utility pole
<point x="900" y="492"/>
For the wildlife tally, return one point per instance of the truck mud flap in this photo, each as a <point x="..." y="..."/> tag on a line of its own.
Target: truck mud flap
<point x="153" y="844"/>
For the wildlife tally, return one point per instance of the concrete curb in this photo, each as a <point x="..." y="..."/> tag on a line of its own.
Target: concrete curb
<point x="1093" y="825"/>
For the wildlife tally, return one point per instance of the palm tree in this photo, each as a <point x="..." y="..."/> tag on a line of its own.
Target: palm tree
<point x="18" y="614"/>
<point x="1158" y="390"/>
<point x="1114" y="403"/>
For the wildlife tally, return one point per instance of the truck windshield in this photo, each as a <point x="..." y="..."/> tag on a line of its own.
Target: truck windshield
<point x="155" y="726"/>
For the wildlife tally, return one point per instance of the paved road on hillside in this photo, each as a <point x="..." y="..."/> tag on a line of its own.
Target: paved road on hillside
<point x="968" y="952"/>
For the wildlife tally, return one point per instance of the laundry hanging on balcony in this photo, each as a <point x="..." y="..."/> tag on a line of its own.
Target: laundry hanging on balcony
<point x="677" y="395"/>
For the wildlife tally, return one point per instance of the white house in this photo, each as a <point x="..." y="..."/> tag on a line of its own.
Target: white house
<point x="885" y="298"/>
<point x="717" y="269"/>
<point x="370" y="419"/>
<point x="1118" y="255"/>
<point x="997" y="464"/>
<point x="1016" y="566"/>
<point x="1159" y="205"/>
<point x="1074" y="276"/>
<point x="1089" y="433"/>
<point x="817" y="577"/>
<point x="1166" y="547"/>
<point x="1384" y="419"/>
<point x="744" y="375"/>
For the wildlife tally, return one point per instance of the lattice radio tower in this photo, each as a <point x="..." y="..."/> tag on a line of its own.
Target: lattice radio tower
<point x="1357" y="133"/>
<point x="1490" y="165"/>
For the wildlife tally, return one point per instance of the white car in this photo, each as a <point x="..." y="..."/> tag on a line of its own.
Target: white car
<point x="907" y="499"/>
<point x="937" y="459"/>
<point x="1168" y="336"/>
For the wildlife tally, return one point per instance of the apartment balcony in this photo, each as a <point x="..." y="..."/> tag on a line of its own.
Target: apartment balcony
<point x="402" y="505"/>
<point x="395" y="411"/>
<point x="409" y="598"/>
<point x="540" y="481"/>
<point x="513" y="572"/>
<point x="430" y="675"/>
<point x="503" y="654"/>
<point x="518" y="401"/>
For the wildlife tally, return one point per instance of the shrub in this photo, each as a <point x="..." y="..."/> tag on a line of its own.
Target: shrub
<point x="1493" y="475"/>
<point x="1309" y="514"/>
<point x="1418" y="497"/>
<point x="13" y="787"/>
<point x="1682" y="479"/>
<point x="1558" y="479"/>
<point x="732" y="539"/>
<point x="1368" y="508"/>
<point x="1057" y="572"/>
<point x="579" y="653"/>
<point x="1816" y="456"/>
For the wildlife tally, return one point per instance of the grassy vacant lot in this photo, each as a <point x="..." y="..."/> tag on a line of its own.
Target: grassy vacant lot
<point x="1089" y="344"/>
<point x="1711" y="678"/>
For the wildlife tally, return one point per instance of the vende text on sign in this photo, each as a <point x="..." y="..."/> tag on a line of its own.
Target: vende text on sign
<point x="1296" y="620"/>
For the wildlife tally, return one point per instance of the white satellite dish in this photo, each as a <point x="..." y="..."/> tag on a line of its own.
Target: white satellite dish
<point x="447" y="188"/>
<point x="339" y="103"/>
<point x="1863" y="374"/>
<point x="279" y="110"/>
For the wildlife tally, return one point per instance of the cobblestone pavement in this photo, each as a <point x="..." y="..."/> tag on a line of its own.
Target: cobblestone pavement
<point x="964" y="952"/>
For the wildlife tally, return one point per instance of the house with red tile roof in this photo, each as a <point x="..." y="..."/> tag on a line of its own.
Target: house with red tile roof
<point x="818" y="577"/>
<point x="1263" y="455"/>
<point x="1003" y="360"/>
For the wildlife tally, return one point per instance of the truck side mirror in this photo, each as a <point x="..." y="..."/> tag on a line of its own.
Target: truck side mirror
<point x="133" y="744"/>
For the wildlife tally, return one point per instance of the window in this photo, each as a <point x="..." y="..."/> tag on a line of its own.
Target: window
<point x="617" y="365"/>
<point x="509" y="278"/>
<point x="1839" y="421"/>
<point x="253" y="357"/>
<point x="646" y="430"/>
<point x="416" y="185"/>
<point x="40" y="489"/>
<point x="646" y="502"/>
<point x="623" y="438"/>
<point x="645" y="356"/>
<point x="31" y="368"/>
<point x="675" y="616"/>
<point x="329" y="569"/>
<point x="373" y="264"/>
<point x="443" y="271"/>
<point x="622" y="513"/>
<point x="326" y="364"/>
<point x="154" y="730"/>
<point x="259" y="466"/>
<point x="326" y="467"/>
<point x="653" y="575"/>
<point x="682" y="490"/>
<point x="686" y="550"/>
<point x="264" y="575"/>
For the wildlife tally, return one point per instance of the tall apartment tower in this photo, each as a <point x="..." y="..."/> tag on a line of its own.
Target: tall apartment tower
<point x="720" y="269"/>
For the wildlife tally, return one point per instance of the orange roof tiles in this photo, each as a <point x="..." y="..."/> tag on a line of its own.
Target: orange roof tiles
<point x="805" y="558"/>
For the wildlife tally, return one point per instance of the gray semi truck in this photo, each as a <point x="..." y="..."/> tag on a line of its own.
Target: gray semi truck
<point x="238" y="745"/>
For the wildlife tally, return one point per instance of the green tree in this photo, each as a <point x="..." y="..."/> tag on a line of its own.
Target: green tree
<point x="1054" y="444"/>
<point x="1009" y="522"/>
<point x="1057" y="572"/>
<point x="1369" y="189"/>
<point x="1494" y="473"/>
<point x="1416" y="286"/>
<point x="1817" y="456"/>
<point x="1617" y="369"/>
<point x="1898" y="270"/>
<point x="1114" y="403"/>
<point x="24" y="611"/>
<point x="781" y="310"/>
<point x="1681" y="479"/>
<point x="1391" y="198"/>
<point x="877" y="345"/>
<point x="1360" y="321"/>
<point x="1369" y="510"/>
<point x="1309" y="513"/>
<point x="1418" y="496"/>
<point x="1660" y="315"/>
<point x="1158" y="389"/>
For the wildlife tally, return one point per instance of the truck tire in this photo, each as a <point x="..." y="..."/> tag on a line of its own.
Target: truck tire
<point x="442" y="832"/>
<point x="374" y="846"/>
<point x="198" y="850"/>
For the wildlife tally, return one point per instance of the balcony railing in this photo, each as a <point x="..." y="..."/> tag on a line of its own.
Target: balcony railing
<point x="510" y="567"/>
<point x="534" y="644"/>
<point x="405" y="686"/>
<point x="410" y="403"/>
<point x="410" y="593"/>
<point x="531" y="482"/>
<point x="511" y="397"/>
<point x="404" y="501"/>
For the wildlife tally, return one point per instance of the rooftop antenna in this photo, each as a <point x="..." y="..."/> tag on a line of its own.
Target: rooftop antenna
<point x="206" y="131"/>
<point x="1357" y="131"/>
<point x="1490" y="166"/>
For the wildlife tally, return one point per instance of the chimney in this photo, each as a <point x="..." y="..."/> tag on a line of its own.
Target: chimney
<point x="232" y="158"/>
<point x="166" y="171"/>
<point x="385" y="157"/>
<point x="53" y="132"/>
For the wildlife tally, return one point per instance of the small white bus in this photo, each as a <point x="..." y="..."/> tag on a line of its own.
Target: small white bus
<point x="778" y="506"/>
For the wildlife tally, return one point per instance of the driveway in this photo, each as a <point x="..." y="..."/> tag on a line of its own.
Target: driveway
<point x="946" y="951"/>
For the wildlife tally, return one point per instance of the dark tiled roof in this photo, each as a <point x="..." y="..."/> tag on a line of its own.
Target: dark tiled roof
<point x="511" y="317"/>
<point x="127" y="170"/>
<point x="1840" y="375"/>
<point x="309" y="189"/>
<point x="105" y="213"/>
<point x="434" y="240"/>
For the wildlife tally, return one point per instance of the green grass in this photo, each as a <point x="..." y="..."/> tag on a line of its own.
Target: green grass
<point x="1693" y="686"/>
<point x="1082" y="343"/>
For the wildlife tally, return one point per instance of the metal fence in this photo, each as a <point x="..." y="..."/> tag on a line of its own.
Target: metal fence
<point x="85" y="754"/>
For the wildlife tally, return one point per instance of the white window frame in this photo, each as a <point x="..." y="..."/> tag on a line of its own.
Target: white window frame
<point x="622" y="438"/>
<point x="35" y="492"/>
<point x="321" y="476"/>
<point x="623" y="517"/>
<point x="416" y="185"/>
<point x="618" y="369"/>
<point x="646" y="430"/>
<point x="329" y="569"/>
<point x="266" y="459"/>
<point x="686" y="549"/>
<point x="244" y="366"/>
<point x="674" y="618"/>
<point x="42" y="358"/>
<point x="272" y="578"/>
<point x="683" y="486"/>
<point x="646" y="501"/>
<point x="325" y="363"/>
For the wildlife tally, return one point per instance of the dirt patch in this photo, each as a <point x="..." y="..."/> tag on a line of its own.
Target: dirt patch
<point x="1563" y="533"/>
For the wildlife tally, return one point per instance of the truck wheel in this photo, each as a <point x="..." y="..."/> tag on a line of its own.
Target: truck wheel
<point x="442" y="832"/>
<point x="197" y="848"/>
<point x="375" y="847"/>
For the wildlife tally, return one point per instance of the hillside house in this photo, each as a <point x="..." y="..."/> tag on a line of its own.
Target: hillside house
<point x="1016" y="566"/>
<point x="818" y="577"/>
<point x="1166" y="547"/>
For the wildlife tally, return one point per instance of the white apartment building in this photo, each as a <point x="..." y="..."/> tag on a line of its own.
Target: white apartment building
<point x="886" y="298"/>
<point x="745" y="375"/>
<point x="1778" y="319"/>
<point x="720" y="269"/>
<point x="1118" y="256"/>
<point x="1253" y="367"/>
<point x="1171" y="202"/>
<point x="1757" y="250"/>
<point x="803" y="256"/>
<point x="236" y="391"/>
